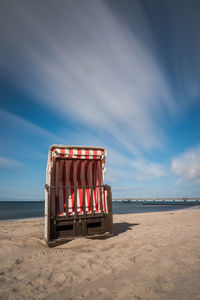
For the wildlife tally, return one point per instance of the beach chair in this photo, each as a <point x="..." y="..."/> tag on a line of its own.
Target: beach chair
<point x="77" y="203"/>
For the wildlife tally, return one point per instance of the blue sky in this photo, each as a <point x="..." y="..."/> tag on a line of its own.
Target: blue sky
<point x="120" y="74"/>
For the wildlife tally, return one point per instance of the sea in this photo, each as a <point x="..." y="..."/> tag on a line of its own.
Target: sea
<point x="27" y="209"/>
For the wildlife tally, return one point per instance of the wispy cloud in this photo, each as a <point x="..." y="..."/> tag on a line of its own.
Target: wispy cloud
<point x="7" y="163"/>
<point x="121" y="166"/>
<point x="187" y="165"/>
<point x="89" y="67"/>
<point x="147" y="170"/>
<point x="17" y="123"/>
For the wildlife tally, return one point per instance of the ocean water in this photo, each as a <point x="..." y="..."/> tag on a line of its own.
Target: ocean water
<point x="27" y="209"/>
<point x="21" y="210"/>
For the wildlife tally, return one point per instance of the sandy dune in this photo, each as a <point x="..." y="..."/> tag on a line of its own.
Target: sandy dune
<point x="151" y="256"/>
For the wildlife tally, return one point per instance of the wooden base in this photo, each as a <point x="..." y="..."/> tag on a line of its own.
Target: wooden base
<point x="68" y="229"/>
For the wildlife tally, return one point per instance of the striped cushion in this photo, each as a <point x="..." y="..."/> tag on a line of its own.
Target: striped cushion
<point x="68" y="173"/>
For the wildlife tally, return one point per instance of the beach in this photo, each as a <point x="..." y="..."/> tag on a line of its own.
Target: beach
<point x="151" y="256"/>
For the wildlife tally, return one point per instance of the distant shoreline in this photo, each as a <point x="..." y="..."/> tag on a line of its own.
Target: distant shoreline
<point x="137" y="199"/>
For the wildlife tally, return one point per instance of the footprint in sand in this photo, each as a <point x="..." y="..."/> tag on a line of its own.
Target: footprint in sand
<point x="18" y="261"/>
<point x="57" y="277"/>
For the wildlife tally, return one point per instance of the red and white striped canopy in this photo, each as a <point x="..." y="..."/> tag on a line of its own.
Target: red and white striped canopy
<point x="76" y="152"/>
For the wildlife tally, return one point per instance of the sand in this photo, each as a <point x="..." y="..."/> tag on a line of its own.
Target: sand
<point x="151" y="256"/>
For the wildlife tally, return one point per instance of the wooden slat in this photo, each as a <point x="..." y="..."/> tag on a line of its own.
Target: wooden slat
<point x="49" y="214"/>
<point x="67" y="204"/>
<point x="84" y="210"/>
<point x="56" y="206"/>
<point x="109" y="200"/>
<point x="100" y="189"/>
<point x="91" y="200"/>
<point x="75" y="201"/>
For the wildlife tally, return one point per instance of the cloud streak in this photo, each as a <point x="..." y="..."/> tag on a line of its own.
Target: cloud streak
<point x="146" y="170"/>
<point x="187" y="165"/>
<point x="7" y="163"/>
<point x="16" y="123"/>
<point x="122" y="167"/>
<point x="89" y="67"/>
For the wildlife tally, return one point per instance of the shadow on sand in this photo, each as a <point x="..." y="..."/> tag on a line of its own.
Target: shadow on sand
<point x="119" y="228"/>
